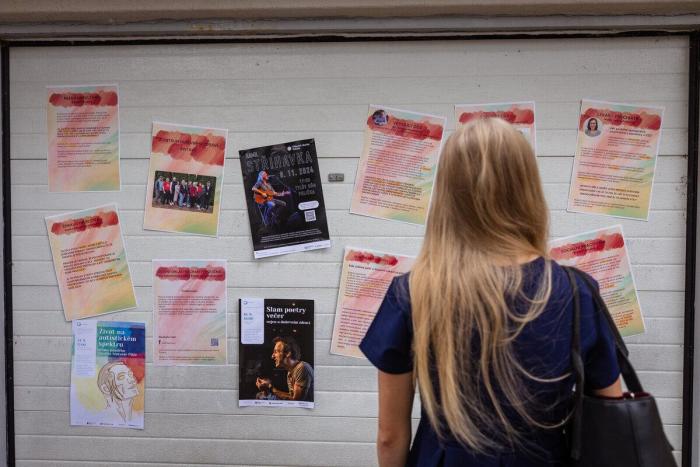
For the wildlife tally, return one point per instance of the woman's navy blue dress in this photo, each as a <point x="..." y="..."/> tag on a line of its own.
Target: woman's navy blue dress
<point x="543" y="347"/>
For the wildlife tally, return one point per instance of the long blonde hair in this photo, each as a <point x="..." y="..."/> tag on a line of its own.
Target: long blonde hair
<point x="488" y="212"/>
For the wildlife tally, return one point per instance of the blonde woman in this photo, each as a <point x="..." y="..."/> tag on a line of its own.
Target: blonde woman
<point x="482" y="324"/>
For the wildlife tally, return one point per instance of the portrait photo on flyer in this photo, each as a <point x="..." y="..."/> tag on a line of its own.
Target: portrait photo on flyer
<point x="397" y="166"/>
<point x="284" y="197"/>
<point x="276" y="353"/>
<point x="615" y="160"/>
<point x="82" y="125"/>
<point x="185" y="179"/>
<point x="189" y="312"/>
<point x="108" y="371"/>
<point x="90" y="262"/>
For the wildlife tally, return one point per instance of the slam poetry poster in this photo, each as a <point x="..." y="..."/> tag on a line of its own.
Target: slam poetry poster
<point x="615" y="161"/>
<point x="603" y="254"/>
<point x="108" y="370"/>
<point x="276" y="353"/>
<point x="90" y="262"/>
<point x="83" y="138"/>
<point x="282" y="187"/>
<point x="185" y="179"/>
<point x="189" y="312"/>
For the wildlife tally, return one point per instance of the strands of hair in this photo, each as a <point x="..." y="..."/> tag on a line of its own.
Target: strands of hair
<point x="488" y="215"/>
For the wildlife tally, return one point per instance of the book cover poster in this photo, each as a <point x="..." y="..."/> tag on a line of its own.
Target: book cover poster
<point x="282" y="188"/>
<point x="189" y="312"/>
<point x="185" y="179"/>
<point x="615" y="161"/>
<point x="364" y="280"/>
<point x="108" y="369"/>
<point x="603" y="255"/>
<point x="90" y="262"/>
<point x="397" y="167"/>
<point x="276" y="353"/>
<point x="521" y="115"/>
<point x="83" y="138"/>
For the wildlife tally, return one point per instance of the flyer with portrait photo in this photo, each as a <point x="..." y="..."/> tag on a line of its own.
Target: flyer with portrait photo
<point x="276" y="353"/>
<point x="282" y="188"/>
<point x="521" y="115"/>
<point x="108" y="370"/>
<point x="603" y="255"/>
<point x="615" y="161"/>
<point x="185" y="179"/>
<point x="83" y="138"/>
<point x="90" y="262"/>
<point x="364" y="280"/>
<point x="189" y="312"/>
<point x="397" y="167"/>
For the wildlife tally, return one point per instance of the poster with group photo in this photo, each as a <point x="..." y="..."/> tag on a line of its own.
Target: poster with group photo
<point x="90" y="262"/>
<point x="397" y="167"/>
<point x="521" y="115"/>
<point x="364" y="280"/>
<point x="185" y="179"/>
<point x="108" y="370"/>
<point x="603" y="255"/>
<point x="616" y="153"/>
<point x="276" y="353"/>
<point x="83" y="138"/>
<point x="189" y="312"/>
<point x="282" y="188"/>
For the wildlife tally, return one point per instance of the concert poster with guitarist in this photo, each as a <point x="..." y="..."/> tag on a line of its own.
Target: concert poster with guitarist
<point x="282" y="187"/>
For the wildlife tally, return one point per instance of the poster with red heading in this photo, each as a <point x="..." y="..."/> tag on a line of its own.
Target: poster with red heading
<point x="397" y="167"/>
<point x="615" y="161"/>
<point x="185" y="179"/>
<point x="521" y="115"/>
<point x="364" y="280"/>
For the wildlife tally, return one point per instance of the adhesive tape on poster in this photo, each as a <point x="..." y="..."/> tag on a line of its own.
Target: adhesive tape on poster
<point x="308" y="205"/>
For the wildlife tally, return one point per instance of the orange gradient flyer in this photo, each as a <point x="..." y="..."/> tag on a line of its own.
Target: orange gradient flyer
<point x="615" y="161"/>
<point x="364" y="279"/>
<point x="398" y="164"/>
<point x="603" y="255"/>
<point x="90" y="262"/>
<point x="521" y="115"/>
<point x="83" y="134"/>
<point x="185" y="179"/>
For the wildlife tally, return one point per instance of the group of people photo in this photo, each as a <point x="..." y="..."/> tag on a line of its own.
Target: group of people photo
<point x="190" y="192"/>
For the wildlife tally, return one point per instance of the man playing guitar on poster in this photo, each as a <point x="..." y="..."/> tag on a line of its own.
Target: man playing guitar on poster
<point x="264" y="195"/>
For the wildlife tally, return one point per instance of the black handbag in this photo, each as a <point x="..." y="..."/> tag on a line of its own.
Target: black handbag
<point x="624" y="432"/>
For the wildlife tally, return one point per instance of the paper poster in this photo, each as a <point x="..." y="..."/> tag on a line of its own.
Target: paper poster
<point x="364" y="280"/>
<point x="603" y="254"/>
<point x="189" y="312"/>
<point x="276" y="353"/>
<point x="107" y="384"/>
<point x="616" y="155"/>
<point x="282" y="187"/>
<point x="398" y="164"/>
<point x="519" y="114"/>
<point x="90" y="262"/>
<point x="185" y="179"/>
<point x="83" y="138"/>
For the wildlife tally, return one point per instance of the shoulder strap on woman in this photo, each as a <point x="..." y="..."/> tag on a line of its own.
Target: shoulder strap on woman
<point x="577" y="365"/>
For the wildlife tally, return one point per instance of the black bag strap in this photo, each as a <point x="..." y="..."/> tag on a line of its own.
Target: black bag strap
<point x="577" y="364"/>
<point x="626" y="369"/>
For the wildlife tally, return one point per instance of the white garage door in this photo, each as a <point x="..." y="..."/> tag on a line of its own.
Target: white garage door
<point x="272" y="93"/>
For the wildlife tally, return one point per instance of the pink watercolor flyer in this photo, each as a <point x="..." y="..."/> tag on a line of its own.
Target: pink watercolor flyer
<point x="83" y="138"/>
<point x="185" y="179"/>
<point x="189" y="312"/>
<point x="615" y="161"/>
<point x="90" y="262"/>
<point x="603" y="254"/>
<point x="397" y="167"/>
<point x="364" y="280"/>
<point x="521" y="115"/>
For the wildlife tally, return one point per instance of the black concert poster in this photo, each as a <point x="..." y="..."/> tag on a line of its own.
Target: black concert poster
<point x="282" y="186"/>
<point x="276" y="353"/>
